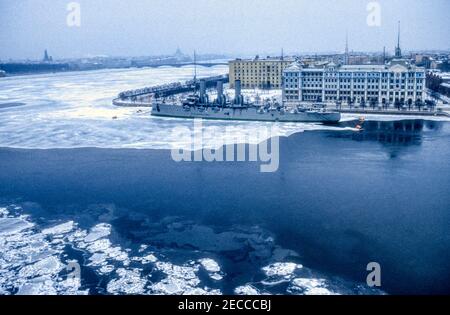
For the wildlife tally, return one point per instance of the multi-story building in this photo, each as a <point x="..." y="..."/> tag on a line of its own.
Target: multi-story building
<point x="395" y="81"/>
<point x="258" y="73"/>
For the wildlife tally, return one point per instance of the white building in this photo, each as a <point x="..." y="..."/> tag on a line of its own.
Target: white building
<point x="395" y="81"/>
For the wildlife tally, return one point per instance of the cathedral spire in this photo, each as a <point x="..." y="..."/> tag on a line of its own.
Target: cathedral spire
<point x="398" y="50"/>
<point x="346" y="59"/>
<point x="46" y="57"/>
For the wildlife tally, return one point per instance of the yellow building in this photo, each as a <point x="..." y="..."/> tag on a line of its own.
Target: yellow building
<point x="258" y="73"/>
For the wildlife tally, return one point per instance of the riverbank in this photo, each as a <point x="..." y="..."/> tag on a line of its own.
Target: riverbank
<point x="415" y="113"/>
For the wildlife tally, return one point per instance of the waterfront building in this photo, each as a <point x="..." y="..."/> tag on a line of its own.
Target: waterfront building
<point x="395" y="82"/>
<point x="263" y="73"/>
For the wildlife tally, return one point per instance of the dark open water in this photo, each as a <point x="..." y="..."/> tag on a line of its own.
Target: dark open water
<point x="339" y="200"/>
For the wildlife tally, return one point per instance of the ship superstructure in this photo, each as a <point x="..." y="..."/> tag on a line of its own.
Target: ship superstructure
<point x="198" y="105"/>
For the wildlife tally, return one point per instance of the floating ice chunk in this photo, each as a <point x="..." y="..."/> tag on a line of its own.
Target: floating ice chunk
<point x="106" y="269"/>
<point x="310" y="286"/>
<point x="209" y="264"/>
<point x="308" y="283"/>
<point x="178" y="286"/>
<point x="170" y="286"/>
<point x="97" y="232"/>
<point x="48" y="266"/>
<point x="216" y="276"/>
<point x="212" y="267"/>
<point x="30" y="289"/>
<point x="77" y="237"/>
<point x="142" y="248"/>
<point x="149" y="259"/>
<point x="117" y="253"/>
<point x="146" y="259"/>
<point x="180" y="280"/>
<point x="99" y="246"/>
<point x="200" y="291"/>
<point x="71" y="286"/>
<point x="281" y="269"/>
<point x="38" y="286"/>
<point x="97" y="259"/>
<point x="246" y="290"/>
<point x="319" y="291"/>
<point x="129" y="282"/>
<point x="9" y="226"/>
<point x="59" y="229"/>
<point x="3" y="212"/>
<point x="179" y="271"/>
<point x="278" y="273"/>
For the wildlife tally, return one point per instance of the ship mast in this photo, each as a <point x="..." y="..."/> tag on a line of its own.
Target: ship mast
<point x="195" y="72"/>
<point x="195" y="66"/>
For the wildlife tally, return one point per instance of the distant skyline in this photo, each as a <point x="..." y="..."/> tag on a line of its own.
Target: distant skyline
<point x="235" y="27"/>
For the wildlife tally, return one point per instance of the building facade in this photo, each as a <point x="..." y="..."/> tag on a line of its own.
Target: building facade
<point x="397" y="81"/>
<point x="258" y="73"/>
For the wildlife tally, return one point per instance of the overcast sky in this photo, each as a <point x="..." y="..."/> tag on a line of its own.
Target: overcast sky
<point x="148" y="27"/>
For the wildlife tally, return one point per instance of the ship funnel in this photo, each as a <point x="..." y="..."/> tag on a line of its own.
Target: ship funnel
<point x="203" y="91"/>
<point x="220" y="96"/>
<point x="237" y="92"/>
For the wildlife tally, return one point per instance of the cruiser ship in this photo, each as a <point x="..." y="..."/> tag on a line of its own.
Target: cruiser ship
<point x="199" y="106"/>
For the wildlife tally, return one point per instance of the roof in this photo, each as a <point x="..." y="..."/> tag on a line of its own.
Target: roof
<point x="270" y="59"/>
<point x="295" y="66"/>
<point x="364" y="67"/>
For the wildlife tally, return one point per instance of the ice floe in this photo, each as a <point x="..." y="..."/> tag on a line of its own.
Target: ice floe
<point x="128" y="281"/>
<point x="246" y="290"/>
<point x="212" y="267"/>
<point x="3" y="212"/>
<point x="11" y="226"/>
<point x="97" y="232"/>
<point x="35" y="261"/>
<point x="29" y="262"/>
<point x="278" y="273"/>
<point x="150" y="258"/>
<point x="309" y="286"/>
<point x="60" y="229"/>
<point x="281" y="269"/>
<point x="46" y="266"/>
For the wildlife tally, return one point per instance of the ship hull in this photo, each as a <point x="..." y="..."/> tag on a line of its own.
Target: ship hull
<point x="245" y="113"/>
